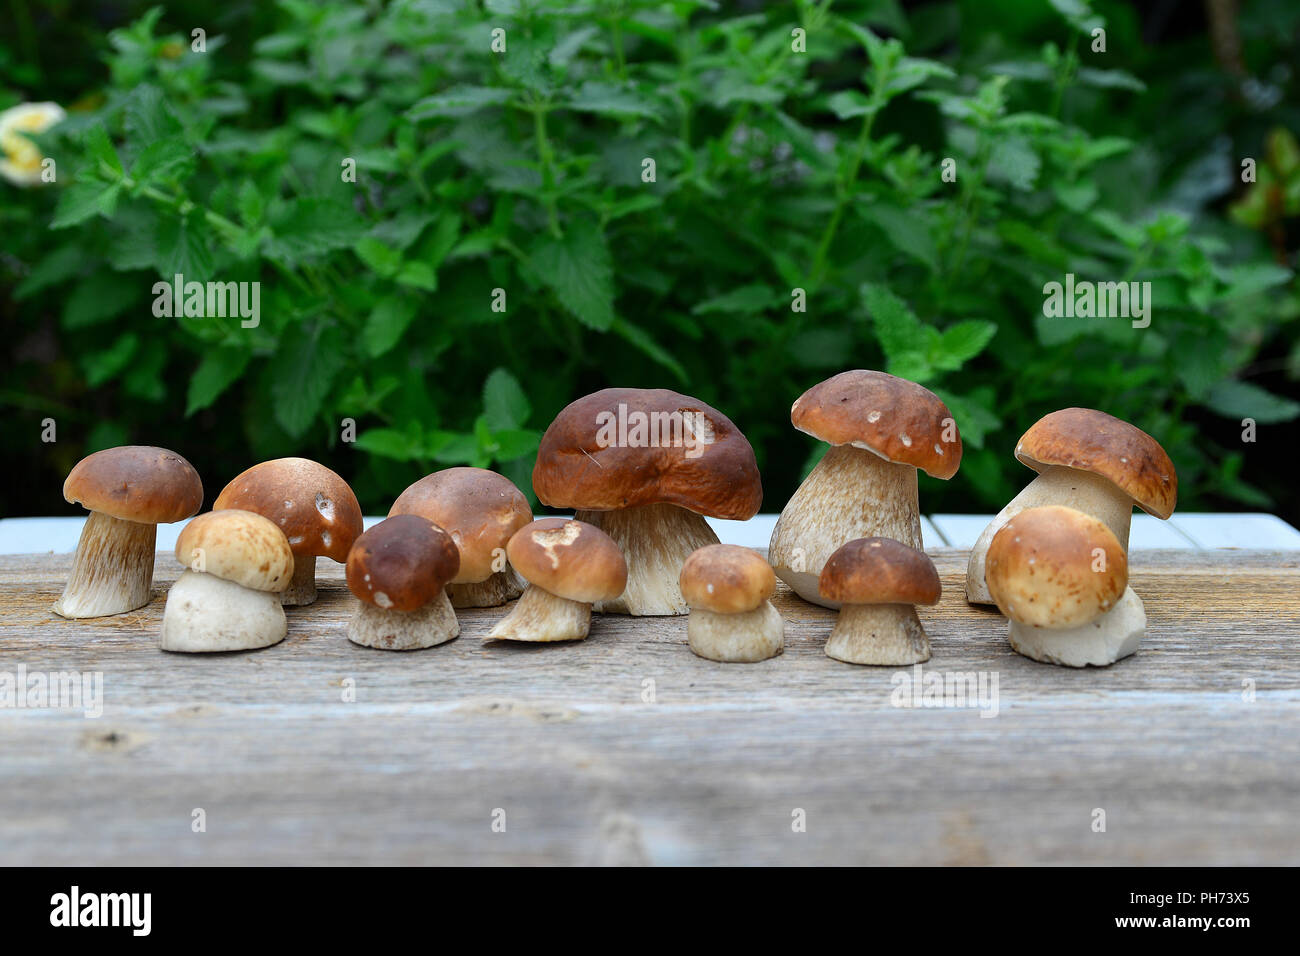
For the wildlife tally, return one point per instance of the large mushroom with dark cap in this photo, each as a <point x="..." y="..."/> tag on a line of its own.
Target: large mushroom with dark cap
<point x="881" y="429"/>
<point x="1089" y="461"/>
<point x="128" y="491"/>
<point x="645" y="466"/>
<point x="480" y="510"/>
<point x="398" y="570"/>
<point x="313" y="506"/>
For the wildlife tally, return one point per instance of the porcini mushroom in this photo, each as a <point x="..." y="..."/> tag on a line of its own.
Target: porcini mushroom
<point x="881" y="429"/>
<point x="128" y="491"/>
<point x="645" y="466"/>
<point x="569" y="565"/>
<point x="729" y="590"/>
<point x="480" y="510"/>
<point x="313" y="506"/>
<point x="228" y="598"/>
<point x="877" y="582"/>
<point x="1087" y="460"/>
<point x="1061" y="577"/>
<point x="399" y="570"/>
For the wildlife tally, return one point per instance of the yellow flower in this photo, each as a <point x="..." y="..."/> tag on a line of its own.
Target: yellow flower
<point x="20" y="160"/>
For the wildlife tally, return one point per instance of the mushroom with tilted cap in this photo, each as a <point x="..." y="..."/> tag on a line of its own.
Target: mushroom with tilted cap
<point x="313" y="506"/>
<point x="128" y="491"/>
<point x="881" y="429"/>
<point x="1087" y="460"/>
<point x="645" y="466"/>
<point x="569" y="565"/>
<point x="1061" y="577"/>
<point x="228" y="598"/>
<point x="729" y="589"/>
<point x="399" y="570"/>
<point x="877" y="583"/>
<point x="480" y="509"/>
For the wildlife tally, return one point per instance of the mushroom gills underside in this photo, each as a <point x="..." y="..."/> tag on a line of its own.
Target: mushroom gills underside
<point x="1080" y="490"/>
<point x="737" y="638"/>
<point x="500" y="587"/>
<point x="1104" y="640"/>
<point x="391" y="630"/>
<point x="656" y="540"/>
<point x="542" y="617"/>
<point x="112" y="571"/>
<point x="205" y="613"/>
<point x="888" y="635"/>
<point x="852" y="493"/>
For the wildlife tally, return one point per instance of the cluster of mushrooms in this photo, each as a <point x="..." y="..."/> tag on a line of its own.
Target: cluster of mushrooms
<point x="1053" y="560"/>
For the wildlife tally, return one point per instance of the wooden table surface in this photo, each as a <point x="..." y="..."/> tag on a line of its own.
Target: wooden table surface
<point x="626" y="748"/>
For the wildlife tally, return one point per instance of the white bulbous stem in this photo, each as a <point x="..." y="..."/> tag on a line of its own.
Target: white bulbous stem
<point x="887" y="635"/>
<point x="1104" y="640"/>
<point x="302" y="586"/>
<point x="391" y="630"/>
<point x="737" y="638"/>
<point x="500" y="587"/>
<point x="206" y="613"/>
<point x="656" y="540"/>
<point x="852" y="493"/>
<point x="542" y="617"/>
<point x="112" y="571"/>
<point x="1080" y="490"/>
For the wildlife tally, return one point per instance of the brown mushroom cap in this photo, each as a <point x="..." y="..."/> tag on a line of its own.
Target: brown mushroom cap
<point x="138" y="483"/>
<point x="899" y="420"/>
<point x="1044" y="568"/>
<point x="879" y="571"/>
<point x="478" y="508"/>
<point x="570" y="559"/>
<point x="726" y="579"/>
<point x="237" y="546"/>
<point x="313" y="506"/>
<point x="1093" y="441"/>
<point x="402" y="563"/>
<point x="576" y="468"/>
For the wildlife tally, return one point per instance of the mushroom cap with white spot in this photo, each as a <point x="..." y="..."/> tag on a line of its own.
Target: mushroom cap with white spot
<point x="570" y="559"/>
<point x="402" y="563"/>
<point x="312" y="505"/>
<point x="726" y="579"/>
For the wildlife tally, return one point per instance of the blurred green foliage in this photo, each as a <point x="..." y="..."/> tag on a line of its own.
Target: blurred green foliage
<point x="776" y="169"/>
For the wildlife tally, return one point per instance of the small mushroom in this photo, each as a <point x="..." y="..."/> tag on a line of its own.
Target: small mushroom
<point x="729" y="589"/>
<point x="881" y="429"/>
<point x="1061" y="577"/>
<point x="480" y="510"/>
<point x="228" y="598"/>
<point x="313" y="506"/>
<point x="645" y="466"/>
<point x="878" y="582"/>
<point x="399" y="570"/>
<point x="128" y="491"/>
<point x="1087" y="460"/>
<point x="569" y="565"/>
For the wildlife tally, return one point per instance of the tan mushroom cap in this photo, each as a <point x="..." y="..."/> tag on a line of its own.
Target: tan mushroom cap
<point x="1055" y="567"/>
<point x="879" y="571"/>
<point x="402" y="563"/>
<point x="703" y="463"/>
<point x="570" y="559"/>
<point x="237" y="546"/>
<point x="1093" y="441"/>
<point x="899" y="420"/>
<point x="138" y="483"/>
<point x="726" y="579"/>
<point x="313" y="506"/>
<point x="480" y="509"/>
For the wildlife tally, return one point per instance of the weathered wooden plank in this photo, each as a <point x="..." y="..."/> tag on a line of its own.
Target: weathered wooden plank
<point x="587" y="769"/>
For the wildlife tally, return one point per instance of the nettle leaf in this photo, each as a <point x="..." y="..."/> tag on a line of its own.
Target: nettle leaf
<point x="747" y="299"/>
<point x="219" y="368"/>
<point x="606" y="98"/>
<point x="578" y="268"/>
<point x="850" y="104"/>
<point x="164" y="159"/>
<point x="389" y="443"/>
<point x="1254" y="277"/>
<point x="961" y="342"/>
<point x="387" y="323"/>
<point x="512" y="443"/>
<point x="418" y="275"/>
<point x="184" y="246"/>
<point x="84" y="200"/>
<point x="101" y="149"/>
<point x="149" y="118"/>
<point x="908" y="230"/>
<point x="102" y="295"/>
<point x="1014" y="161"/>
<point x="505" y="406"/>
<point x="900" y="332"/>
<point x="383" y="259"/>
<point x="59" y="266"/>
<point x="105" y="365"/>
<point x="459" y="101"/>
<point x="309" y="358"/>
<point x="1235" y="399"/>
<point x="313" y="227"/>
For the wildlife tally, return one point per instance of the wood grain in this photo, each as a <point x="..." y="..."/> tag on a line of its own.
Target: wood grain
<point x="587" y="771"/>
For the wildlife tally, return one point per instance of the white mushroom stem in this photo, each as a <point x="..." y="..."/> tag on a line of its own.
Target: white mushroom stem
<point x="880" y="634"/>
<point x="302" y="586"/>
<point x="737" y="638"/>
<point x="541" y="616"/>
<point x="499" y="588"/>
<point x="113" y="568"/>
<point x="206" y="613"/>
<point x="852" y="493"/>
<point x="1081" y="490"/>
<point x="656" y="540"/>
<point x="1103" y="640"/>
<point x="392" y="630"/>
